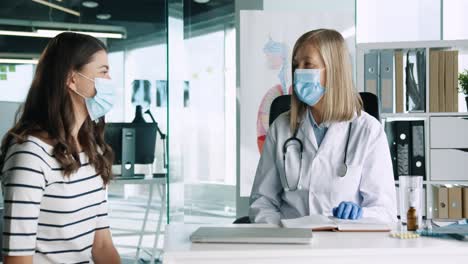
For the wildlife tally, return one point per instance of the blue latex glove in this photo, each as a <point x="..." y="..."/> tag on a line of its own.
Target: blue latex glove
<point x="347" y="210"/>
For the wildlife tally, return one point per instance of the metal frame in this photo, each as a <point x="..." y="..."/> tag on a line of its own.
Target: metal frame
<point x="159" y="180"/>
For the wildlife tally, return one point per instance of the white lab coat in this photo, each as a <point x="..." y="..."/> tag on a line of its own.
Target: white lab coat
<point x="369" y="181"/>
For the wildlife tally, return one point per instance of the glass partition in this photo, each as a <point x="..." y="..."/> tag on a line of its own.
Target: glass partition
<point x="202" y="112"/>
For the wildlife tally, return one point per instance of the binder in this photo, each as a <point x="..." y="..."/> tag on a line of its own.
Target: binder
<point x="442" y="81"/>
<point x="406" y="141"/>
<point x="399" y="81"/>
<point x="371" y="72"/>
<point x="449" y="81"/>
<point x="417" y="159"/>
<point x="412" y="90"/>
<point x="434" y="81"/>
<point x="442" y="202"/>
<point x="421" y="70"/>
<point x="389" y="131"/>
<point x="455" y="73"/>
<point x="455" y="202"/>
<point x="403" y="138"/>
<point x="465" y="202"/>
<point x="386" y="81"/>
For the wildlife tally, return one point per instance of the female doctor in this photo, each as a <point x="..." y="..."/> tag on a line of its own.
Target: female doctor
<point x="325" y="156"/>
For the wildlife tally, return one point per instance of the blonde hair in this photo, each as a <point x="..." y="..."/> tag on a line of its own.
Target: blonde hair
<point x="341" y="99"/>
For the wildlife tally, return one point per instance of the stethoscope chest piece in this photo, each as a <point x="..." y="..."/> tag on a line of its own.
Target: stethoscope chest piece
<point x="342" y="170"/>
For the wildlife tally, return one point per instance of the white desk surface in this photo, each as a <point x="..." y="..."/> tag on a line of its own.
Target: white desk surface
<point x="327" y="247"/>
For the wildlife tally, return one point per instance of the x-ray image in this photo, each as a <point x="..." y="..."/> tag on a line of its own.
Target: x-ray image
<point x="161" y="93"/>
<point x="141" y="93"/>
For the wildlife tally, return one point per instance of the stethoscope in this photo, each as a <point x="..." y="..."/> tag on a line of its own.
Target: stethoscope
<point x="342" y="170"/>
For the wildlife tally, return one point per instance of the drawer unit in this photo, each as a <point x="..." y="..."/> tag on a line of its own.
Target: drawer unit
<point x="449" y="132"/>
<point x="449" y="165"/>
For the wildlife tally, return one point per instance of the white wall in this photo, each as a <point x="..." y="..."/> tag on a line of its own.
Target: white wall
<point x="397" y="20"/>
<point x="455" y="19"/>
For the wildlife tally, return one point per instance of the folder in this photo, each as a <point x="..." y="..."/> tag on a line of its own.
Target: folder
<point x="442" y="81"/>
<point x="442" y="202"/>
<point x="465" y="202"/>
<point x="371" y="72"/>
<point x="449" y="81"/>
<point x="455" y="73"/>
<point x="403" y="140"/>
<point x="386" y="81"/>
<point x="399" y="81"/>
<point x="414" y="102"/>
<point x="455" y="202"/>
<point x="421" y="70"/>
<point x="417" y="159"/>
<point x="390" y="132"/>
<point x="434" y="81"/>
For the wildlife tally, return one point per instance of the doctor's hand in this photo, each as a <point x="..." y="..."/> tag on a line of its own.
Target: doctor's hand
<point x="347" y="210"/>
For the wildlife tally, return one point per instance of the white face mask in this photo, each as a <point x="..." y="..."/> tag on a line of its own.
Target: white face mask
<point x="102" y="102"/>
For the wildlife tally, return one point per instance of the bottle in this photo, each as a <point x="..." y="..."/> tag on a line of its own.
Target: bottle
<point x="412" y="219"/>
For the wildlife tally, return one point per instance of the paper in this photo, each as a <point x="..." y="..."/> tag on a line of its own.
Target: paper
<point x="321" y="222"/>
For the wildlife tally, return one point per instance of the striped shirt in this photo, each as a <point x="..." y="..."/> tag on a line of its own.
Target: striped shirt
<point x="46" y="214"/>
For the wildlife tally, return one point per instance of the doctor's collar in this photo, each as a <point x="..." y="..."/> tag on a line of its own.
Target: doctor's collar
<point x="314" y="123"/>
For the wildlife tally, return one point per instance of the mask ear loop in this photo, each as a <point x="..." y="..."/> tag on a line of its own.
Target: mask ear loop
<point x="84" y="97"/>
<point x="84" y="76"/>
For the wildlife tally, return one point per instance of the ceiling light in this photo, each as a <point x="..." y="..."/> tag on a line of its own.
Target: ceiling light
<point x="90" y="4"/>
<point x="201" y="1"/>
<point x="49" y="33"/>
<point x="103" y="16"/>
<point x="52" y="33"/>
<point x="58" y="7"/>
<point x="18" y="33"/>
<point x="18" y="61"/>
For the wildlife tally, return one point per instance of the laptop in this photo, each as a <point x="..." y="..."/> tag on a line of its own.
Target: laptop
<point x="252" y="235"/>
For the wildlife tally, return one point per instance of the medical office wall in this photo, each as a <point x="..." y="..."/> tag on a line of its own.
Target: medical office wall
<point x="266" y="42"/>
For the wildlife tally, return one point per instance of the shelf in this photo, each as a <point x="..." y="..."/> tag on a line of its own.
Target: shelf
<point x="448" y="182"/>
<point x="414" y="44"/>
<point x="421" y="115"/>
<point x="442" y="182"/>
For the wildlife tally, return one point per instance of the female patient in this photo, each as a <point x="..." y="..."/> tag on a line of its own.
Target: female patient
<point x="54" y="162"/>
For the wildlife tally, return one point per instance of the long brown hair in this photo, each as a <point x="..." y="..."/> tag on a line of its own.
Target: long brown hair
<point x="341" y="99"/>
<point x="48" y="107"/>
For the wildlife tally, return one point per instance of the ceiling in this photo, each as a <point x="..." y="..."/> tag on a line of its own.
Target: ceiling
<point x="141" y="18"/>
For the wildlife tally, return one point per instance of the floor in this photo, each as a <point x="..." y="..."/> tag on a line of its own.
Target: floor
<point x="127" y="208"/>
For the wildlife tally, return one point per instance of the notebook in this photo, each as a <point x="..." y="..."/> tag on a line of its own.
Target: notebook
<point x="262" y="235"/>
<point x="325" y="223"/>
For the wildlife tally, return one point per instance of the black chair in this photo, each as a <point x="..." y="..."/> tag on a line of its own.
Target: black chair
<point x="282" y="104"/>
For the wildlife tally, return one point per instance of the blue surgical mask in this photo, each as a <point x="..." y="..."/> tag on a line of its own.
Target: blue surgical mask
<point x="307" y="85"/>
<point x="102" y="102"/>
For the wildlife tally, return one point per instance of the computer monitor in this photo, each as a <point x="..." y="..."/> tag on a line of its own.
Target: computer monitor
<point x="132" y="143"/>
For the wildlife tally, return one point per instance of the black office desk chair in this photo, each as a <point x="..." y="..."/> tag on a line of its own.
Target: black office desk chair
<point x="282" y="104"/>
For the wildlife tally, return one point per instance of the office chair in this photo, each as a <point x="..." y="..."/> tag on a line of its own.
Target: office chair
<point x="282" y="104"/>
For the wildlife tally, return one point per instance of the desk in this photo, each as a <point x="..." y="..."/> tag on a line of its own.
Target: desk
<point x="160" y="180"/>
<point x="327" y="247"/>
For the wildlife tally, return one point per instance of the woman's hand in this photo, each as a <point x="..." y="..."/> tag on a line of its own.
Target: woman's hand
<point x="347" y="210"/>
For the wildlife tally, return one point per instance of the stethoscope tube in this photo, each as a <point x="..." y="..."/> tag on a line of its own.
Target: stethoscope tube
<point x="342" y="170"/>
